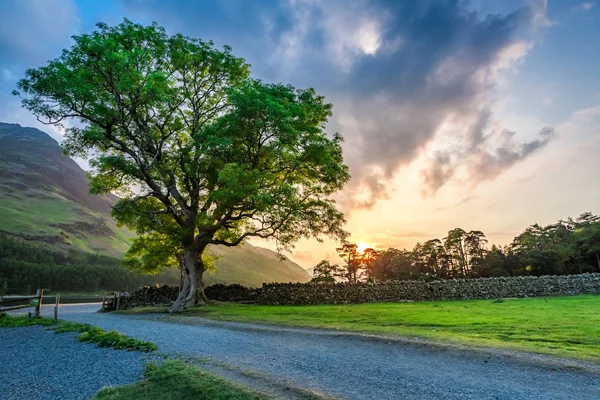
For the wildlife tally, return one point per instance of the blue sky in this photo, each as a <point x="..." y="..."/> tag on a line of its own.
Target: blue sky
<point x="482" y="114"/>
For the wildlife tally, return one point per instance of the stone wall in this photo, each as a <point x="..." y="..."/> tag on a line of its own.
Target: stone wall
<point x="162" y="296"/>
<point x="395" y="291"/>
<point x="452" y="289"/>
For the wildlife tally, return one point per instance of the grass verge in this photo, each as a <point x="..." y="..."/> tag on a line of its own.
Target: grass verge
<point x="144" y="310"/>
<point x="560" y="326"/>
<point x="175" y="379"/>
<point x="88" y="333"/>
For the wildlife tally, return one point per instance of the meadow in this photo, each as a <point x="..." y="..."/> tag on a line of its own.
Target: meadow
<point x="559" y="326"/>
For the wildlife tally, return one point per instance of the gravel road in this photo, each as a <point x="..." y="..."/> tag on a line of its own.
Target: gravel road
<point x="39" y="364"/>
<point x="350" y="366"/>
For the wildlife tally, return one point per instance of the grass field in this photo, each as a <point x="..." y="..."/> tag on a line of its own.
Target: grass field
<point x="178" y="380"/>
<point x="560" y="326"/>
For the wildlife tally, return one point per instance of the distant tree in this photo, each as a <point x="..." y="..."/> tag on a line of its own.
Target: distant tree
<point x="587" y="237"/>
<point x="393" y="264"/>
<point x="351" y="271"/>
<point x="493" y="263"/>
<point x="455" y="245"/>
<point x="436" y="261"/>
<point x="200" y="153"/>
<point x="543" y="262"/>
<point x="3" y="285"/>
<point x="324" y="271"/>
<point x="368" y="259"/>
<point x="587" y="218"/>
<point x="475" y="243"/>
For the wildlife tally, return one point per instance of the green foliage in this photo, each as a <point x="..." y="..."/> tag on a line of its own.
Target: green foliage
<point x="351" y="271"/>
<point x="178" y="380"/>
<point x="151" y="366"/>
<point x="563" y="326"/>
<point x="153" y="252"/>
<point x="325" y="272"/>
<point x="26" y="266"/>
<point x="16" y="321"/>
<point x="3" y="285"/>
<point x="567" y="247"/>
<point x="89" y="333"/>
<point x="114" y="339"/>
<point x="217" y="157"/>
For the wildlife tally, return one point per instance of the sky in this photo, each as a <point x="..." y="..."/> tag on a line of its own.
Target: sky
<point x="479" y="114"/>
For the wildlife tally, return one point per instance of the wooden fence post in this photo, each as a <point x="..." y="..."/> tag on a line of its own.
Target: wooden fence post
<point x="56" y="306"/>
<point x="118" y="300"/>
<point x="38" y="307"/>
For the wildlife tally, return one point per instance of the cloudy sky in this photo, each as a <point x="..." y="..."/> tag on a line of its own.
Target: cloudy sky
<point x="479" y="114"/>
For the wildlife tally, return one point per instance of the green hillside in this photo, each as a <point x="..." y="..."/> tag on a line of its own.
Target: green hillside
<point x="44" y="198"/>
<point x="251" y="266"/>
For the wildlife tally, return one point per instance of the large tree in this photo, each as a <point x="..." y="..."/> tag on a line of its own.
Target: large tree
<point x="199" y="153"/>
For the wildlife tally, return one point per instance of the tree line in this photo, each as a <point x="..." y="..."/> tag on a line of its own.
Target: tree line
<point x="27" y="266"/>
<point x="570" y="246"/>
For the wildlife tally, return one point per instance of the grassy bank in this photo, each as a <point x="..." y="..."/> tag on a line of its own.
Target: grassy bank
<point x="561" y="326"/>
<point x="88" y="333"/>
<point x="178" y="380"/>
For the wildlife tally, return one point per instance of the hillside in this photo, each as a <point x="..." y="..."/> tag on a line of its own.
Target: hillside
<point x="252" y="266"/>
<point x="44" y="198"/>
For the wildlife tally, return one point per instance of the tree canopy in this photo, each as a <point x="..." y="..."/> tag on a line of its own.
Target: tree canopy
<point x="199" y="152"/>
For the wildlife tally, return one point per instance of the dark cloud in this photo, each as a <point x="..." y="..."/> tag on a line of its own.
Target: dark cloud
<point x="489" y="164"/>
<point x="450" y="62"/>
<point x="439" y="172"/>
<point x="398" y="72"/>
<point x="401" y="74"/>
<point x="482" y="161"/>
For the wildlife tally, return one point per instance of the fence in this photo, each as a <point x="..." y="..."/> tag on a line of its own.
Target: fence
<point x="9" y="303"/>
<point x="111" y="301"/>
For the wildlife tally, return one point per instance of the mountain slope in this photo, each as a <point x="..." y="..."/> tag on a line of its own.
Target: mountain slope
<point x="252" y="266"/>
<point x="44" y="198"/>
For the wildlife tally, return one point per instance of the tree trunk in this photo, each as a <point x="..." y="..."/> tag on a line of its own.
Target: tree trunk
<point x="191" y="293"/>
<point x="179" y="257"/>
<point x="598" y="261"/>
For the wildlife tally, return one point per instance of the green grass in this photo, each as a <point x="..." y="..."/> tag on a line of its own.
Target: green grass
<point x="10" y="321"/>
<point x="144" y="310"/>
<point x="560" y="326"/>
<point x="102" y="338"/>
<point x="175" y="380"/>
<point x="29" y="214"/>
<point x="88" y="333"/>
<point x="25" y="212"/>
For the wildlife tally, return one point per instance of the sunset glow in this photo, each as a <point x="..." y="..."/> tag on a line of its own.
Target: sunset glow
<point x="498" y="130"/>
<point x="362" y="246"/>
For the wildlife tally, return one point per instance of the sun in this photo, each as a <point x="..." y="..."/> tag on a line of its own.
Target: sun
<point x="362" y="246"/>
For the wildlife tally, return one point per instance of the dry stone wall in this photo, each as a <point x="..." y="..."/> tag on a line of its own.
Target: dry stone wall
<point x="150" y="296"/>
<point x="394" y="291"/>
<point x="452" y="289"/>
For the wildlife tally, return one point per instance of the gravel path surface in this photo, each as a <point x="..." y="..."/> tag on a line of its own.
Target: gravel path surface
<point x="39" y="364"/>
<point x="351" y="367"/>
